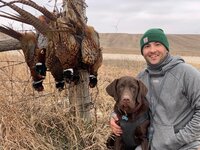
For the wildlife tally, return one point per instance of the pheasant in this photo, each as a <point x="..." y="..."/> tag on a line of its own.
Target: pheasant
<point x="71" y="44"/>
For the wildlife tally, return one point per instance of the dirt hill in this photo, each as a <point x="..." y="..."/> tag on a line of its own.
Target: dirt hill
<point x="181" y="44"/>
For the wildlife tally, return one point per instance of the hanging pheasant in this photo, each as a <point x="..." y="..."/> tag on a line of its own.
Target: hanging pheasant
<point x="71" y="44"/>
<point x="35" y="57"/>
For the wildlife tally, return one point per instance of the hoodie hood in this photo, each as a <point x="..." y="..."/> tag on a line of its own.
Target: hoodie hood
<point x="168" y="63"/>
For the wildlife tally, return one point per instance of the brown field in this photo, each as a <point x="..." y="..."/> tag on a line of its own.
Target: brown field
<point x="187" y="44"/>
<point x="40" y="121"/>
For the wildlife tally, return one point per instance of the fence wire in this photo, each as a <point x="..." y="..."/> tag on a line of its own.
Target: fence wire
<point x="16" y="86"/>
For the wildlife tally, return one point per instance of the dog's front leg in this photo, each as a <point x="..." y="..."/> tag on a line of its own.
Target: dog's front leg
<point x="144" y="144"/>
<point x="118" y="143"/>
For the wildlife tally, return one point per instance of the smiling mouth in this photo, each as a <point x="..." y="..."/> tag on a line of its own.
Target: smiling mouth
<point x="154" y="56"/>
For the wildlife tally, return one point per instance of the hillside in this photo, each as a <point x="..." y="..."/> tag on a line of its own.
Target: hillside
<point x="182" y="44"/>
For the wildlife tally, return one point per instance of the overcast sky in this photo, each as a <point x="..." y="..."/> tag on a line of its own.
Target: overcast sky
<point x="136" y="16"/>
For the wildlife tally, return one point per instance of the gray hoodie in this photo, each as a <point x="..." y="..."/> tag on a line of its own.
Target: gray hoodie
<point x="174" y="98"/>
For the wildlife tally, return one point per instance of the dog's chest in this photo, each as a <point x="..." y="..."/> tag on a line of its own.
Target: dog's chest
<point x="128" y="133"/>
<point x="129" y="128"/>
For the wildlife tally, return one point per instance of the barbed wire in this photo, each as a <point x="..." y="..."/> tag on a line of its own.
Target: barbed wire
<point x="19" y="63"/>
<point x="30" y="96"/>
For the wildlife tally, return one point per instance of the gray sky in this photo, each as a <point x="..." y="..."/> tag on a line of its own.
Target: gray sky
<point x="136" y="16"/>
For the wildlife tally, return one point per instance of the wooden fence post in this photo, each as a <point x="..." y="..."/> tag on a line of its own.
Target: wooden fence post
<point x="79" y="96"/>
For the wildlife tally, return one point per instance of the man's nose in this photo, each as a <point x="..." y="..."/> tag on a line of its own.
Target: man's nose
<point x="152" y="48"/>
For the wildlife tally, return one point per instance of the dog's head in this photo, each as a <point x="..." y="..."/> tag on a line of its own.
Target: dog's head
<point x="128" y="92"/>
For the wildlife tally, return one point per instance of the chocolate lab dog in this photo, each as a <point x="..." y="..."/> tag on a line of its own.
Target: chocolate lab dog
<point x="132" y="109"/>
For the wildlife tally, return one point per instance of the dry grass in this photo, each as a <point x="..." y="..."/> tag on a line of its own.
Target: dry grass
<point x="41" y="121"/>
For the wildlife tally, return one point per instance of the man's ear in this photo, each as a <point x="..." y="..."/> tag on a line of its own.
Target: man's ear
<point x="111" y="88"/>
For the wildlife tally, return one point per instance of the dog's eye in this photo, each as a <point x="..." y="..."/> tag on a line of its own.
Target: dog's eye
<point x="132" y="86"/>
<point x="121" y="86"/>
<point x="133" y="89"/>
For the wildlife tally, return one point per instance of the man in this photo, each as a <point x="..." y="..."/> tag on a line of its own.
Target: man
<point x="173" y="95"/>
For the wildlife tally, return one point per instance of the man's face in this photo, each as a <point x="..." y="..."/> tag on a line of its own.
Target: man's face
<point x="154" y="52"/>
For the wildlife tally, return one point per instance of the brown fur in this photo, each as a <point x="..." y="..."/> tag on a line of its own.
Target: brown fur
<point x="129" y="94"/>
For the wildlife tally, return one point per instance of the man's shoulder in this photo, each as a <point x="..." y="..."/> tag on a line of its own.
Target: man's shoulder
<point x="185" y="67"/>
<point x="142" y="74"/>
<point x="185" y="70"/>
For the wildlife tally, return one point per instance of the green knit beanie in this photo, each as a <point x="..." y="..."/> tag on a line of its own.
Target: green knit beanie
<point x="154" y="35"/>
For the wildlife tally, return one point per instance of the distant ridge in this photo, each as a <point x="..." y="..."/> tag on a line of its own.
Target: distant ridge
<point x="180" y="44"/>
<point x="129" y="43"/>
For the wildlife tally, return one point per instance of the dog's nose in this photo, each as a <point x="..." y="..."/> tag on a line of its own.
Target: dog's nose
<point x="126" y="99"/>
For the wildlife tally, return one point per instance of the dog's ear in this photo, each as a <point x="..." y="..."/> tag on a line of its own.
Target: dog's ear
<point x="111" y="88"/>
<point x="142" y="91"/>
